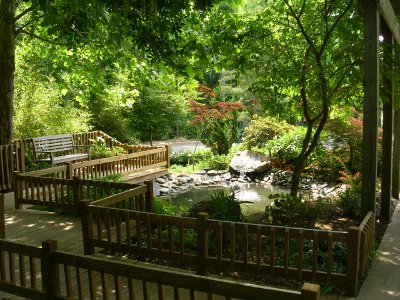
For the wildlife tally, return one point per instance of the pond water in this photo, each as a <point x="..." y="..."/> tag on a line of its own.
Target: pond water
<point x="252" y="192"/>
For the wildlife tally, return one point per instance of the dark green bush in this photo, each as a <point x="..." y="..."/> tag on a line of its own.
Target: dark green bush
<point x="263" y="129"/>
<point x="293" y="211"/>
<point x="350" y="200"/>
<point x="182" y="158"/>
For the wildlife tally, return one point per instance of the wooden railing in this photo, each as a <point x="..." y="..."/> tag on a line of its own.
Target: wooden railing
<point x="302" y="254"/>
<point x="13" y="157"/>
<point x="46" y="273"/>
<point x="66" y="194"/>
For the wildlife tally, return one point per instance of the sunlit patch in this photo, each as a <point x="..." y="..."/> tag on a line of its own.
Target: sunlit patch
<point x="30" y="225"/>
<point x="68" y="227"/>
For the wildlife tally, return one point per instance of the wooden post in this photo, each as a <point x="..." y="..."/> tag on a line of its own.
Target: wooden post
<point x="396" y="145"/>
<point x="87" y="227"/>
<point x="388" y="103"/>
<point x="202" y="244"/>
<point x="371" y="104"/>
<point x="167" y="155"/>
<point x="70" y="170"/>
<point x="396" y="155"/>
<point x="17" y="190"/>
<point x="2" y="221"/>
<point x="149" y="196"/>
<point x="50" y="274"/>
<point x="78" y="193"/>
<point x="310" y="291"/>
<point x="353" y="260"/>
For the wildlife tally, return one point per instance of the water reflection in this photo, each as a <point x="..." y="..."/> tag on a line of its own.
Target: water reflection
<point x="251" y="192"/>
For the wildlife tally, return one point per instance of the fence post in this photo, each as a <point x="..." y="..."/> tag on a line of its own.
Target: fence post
<point x="70" y="170"/>
<point x="310" y="291"/>
<point x="77" y="188"/>
<point x="202" y="244"/>
<point x="149" y="196"/>
<point x="353" y="261"/>
<point x="167" y="155"/>
<point x="2" y="221"/>
<point x="87" y="226"/>
<point x="17" y="190"/>
<point x="50" y="274"/>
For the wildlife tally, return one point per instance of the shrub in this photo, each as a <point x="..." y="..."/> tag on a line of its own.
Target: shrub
<point x="350" y="200"/>
<point x="293" y="211"/>
<point x="165" y="207"/>
<point x="226" y="206"/>
<point x="181" y="158"/>
<point x="100" y="150"/>
<point x="263" y="129"/>
<point x="288" y="146"/>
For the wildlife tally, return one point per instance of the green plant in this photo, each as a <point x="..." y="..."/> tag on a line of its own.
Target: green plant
<point x="182" y="158"/>
<point x="293" y="211"/>
<point x="350" y="200"/>
<point x="165" y="207"/>
<point x="100" y="149"/>
<point x="225" y="206"/>
<point x="262" y="129"/>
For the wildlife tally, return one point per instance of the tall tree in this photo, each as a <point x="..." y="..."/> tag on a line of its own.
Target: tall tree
<point x="305" y="56"/>
<point x="152" y="24"/>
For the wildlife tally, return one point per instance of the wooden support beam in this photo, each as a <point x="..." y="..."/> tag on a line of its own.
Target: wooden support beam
<point x="396" y="155"/>
<point x="388" y="103"/>
<point x="396" y="142"/>
<point x="396" y="6"/>
<point x="371" y="104"/>
<point x="386" y="9"/>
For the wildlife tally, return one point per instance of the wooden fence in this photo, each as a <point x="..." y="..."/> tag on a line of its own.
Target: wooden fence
<point x="15" y="156"/>
<point x="302" y="254"/>
<point x="66" y="194"/>
<point x="46" y="273"/>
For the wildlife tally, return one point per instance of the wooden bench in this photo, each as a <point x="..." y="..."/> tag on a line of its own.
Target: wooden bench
<point x="58" y="149"/>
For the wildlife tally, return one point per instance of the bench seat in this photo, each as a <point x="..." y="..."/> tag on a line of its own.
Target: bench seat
<point x="58" y="149"/>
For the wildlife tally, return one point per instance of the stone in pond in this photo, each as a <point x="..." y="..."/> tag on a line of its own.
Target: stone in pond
<point x="160" y="180"/>
<point x="249" y="162"/>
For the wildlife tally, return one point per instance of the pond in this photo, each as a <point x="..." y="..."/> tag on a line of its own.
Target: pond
<point x="252" y="192"/>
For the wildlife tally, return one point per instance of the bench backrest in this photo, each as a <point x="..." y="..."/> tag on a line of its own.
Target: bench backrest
<point x="58" y="143"/>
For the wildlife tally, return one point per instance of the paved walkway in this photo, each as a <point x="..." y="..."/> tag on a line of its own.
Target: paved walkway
<point x="383" y="279"/>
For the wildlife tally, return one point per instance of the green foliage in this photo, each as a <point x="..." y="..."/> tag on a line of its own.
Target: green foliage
<point x="293" y="211"/>
<point x="350" y="200"/>
<point x="100" y="150"/>
<point x="38" y="107"/>
<point x="154" y="114"/>
<point x="288" y="146"/>
<point x="165" y="207"/>
<point x="225" y="206"/>
<point x="181" y="158"/>
<point x="262" y="129"/>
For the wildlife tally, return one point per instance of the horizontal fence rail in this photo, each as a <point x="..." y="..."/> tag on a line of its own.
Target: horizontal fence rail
<point x="302" y="254"/>
<point x="46" y="273"/>
<point x="67" y="193"/>
<point x="18" y="155"/>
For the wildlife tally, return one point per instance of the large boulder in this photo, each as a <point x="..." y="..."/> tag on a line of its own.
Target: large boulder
<point x="249" y="163"/>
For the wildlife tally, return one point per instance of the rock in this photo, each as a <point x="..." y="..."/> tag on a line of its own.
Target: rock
<point x="160" y="180"/>
<point x="182" y="180"/>
<point x="164" y="191"/>
<point x="222" y="172"/>
<point x="164" y="185"/>
<point x="212" y="173"/>
<point x="249" y="162"/>
<point x="201" y="172"/>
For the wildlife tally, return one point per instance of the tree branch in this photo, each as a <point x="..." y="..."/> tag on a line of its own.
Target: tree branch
<point x="31" y="34"/>
<point x="26" y="11"/>
<point x="335" y="23"/>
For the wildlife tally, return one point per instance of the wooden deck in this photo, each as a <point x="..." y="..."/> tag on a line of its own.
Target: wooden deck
<point x="31" y="227"/>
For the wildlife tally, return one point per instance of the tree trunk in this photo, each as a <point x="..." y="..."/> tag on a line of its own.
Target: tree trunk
<point x="7" y="68"/>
